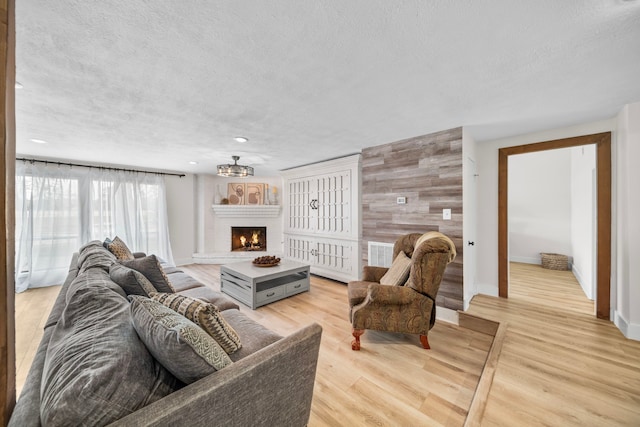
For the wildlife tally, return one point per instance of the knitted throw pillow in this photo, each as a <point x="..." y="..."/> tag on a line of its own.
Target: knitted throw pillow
<point x="205" y="315"/>
<point x="118" y="248"/>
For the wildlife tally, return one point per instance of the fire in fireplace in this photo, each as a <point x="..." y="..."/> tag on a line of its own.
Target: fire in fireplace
<point x="248" y="239"/>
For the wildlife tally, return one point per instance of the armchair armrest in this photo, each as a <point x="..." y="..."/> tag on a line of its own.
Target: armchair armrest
<point x="396" y="295"/>
<point x="139" y="255"/>
<point x="373" y="274"/>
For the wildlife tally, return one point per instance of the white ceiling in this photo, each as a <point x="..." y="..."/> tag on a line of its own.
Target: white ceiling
<point x="155" y="84"/>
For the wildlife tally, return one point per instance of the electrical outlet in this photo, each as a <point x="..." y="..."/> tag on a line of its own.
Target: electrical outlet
<point x="446" y="213"/>
<point x="401" y="200"/>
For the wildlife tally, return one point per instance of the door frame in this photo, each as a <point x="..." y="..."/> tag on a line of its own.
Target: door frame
<point x="602" y="141"/>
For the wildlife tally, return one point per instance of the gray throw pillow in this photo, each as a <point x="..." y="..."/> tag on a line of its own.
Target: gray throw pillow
<point x="133" y="282"/>
<point x="97" y="370"/>
<point x="180" y="345"/>
<point x="152" y="270"/>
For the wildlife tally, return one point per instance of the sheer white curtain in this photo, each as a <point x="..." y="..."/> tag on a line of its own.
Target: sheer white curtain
<point x="47" y="223"/>
<point x="132" y="206"/>
<point x="59" y="208"/>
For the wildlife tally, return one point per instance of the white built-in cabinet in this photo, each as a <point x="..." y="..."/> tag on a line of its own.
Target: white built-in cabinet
<point x="322" y="217"/>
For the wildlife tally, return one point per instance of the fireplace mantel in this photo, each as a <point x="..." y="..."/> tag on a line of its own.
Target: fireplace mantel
<point x="244" y="211"/>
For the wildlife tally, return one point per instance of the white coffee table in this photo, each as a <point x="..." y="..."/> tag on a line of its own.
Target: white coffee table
<point x="258" y="286"/>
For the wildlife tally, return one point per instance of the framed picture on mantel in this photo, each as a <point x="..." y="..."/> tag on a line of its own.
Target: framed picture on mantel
<point x="254" y="194"/>
<point x="236" y="193"/>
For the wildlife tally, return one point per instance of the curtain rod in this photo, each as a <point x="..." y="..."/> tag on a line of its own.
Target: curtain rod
<point x="180" y="175"/>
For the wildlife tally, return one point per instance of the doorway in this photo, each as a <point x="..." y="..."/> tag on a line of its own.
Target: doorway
<point x="603" y="232"/>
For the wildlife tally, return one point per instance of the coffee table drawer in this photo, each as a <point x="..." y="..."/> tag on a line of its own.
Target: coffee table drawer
<point x="297" y="287"/>
<point x="270" y="295"/>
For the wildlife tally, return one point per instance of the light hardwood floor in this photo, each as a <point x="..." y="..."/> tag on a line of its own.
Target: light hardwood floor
<point x="558" y="366"/>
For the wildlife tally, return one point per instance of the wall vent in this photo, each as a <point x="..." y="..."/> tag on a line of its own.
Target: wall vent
<point x="380" y="254"/>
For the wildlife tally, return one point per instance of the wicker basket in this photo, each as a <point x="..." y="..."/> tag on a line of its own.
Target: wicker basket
<point x="554" y="261"/>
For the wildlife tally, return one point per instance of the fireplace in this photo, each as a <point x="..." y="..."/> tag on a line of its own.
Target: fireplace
<point x="248" y="239"/>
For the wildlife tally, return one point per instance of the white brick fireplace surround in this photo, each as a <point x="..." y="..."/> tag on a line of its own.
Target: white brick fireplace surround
<point x="214" y="224"/>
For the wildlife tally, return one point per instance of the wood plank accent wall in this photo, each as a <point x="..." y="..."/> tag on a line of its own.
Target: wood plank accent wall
<point x="7" y="212"/>
<point x="427" y="170"/>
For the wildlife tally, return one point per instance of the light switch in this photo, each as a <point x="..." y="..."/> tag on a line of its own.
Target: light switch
<point x="401" y="200"/>
<point x="446" y="213"/>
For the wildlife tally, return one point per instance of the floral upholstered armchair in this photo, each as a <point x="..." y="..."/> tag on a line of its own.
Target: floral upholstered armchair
<point x="402" y="298"/>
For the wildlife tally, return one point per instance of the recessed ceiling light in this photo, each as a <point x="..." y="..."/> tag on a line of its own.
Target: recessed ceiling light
<point x="192" y="162"/>
<point x="241" y="139"/>
<point x="38" y="141"/>
<point x="19" y="85"/>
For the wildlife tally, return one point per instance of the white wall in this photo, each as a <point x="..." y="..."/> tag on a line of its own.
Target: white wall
<point x="583" y="216"/>
<point x="487" y="229"/>
<point x="539" y="205"/>
<point x="626" y="212"/>
<point x="469" y="208"/>
<point x="182" y="215"/>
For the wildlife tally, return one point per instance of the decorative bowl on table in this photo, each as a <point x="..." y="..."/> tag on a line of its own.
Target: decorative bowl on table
<point x="266" y="261"/>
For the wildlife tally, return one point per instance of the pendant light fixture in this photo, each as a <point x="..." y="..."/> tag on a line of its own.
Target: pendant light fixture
<point x="235" y="170"/>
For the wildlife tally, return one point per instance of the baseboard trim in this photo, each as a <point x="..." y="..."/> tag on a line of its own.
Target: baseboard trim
<point x="525" y="260"/>
<point x="629" y="330"/>
<point x="447" y="315"/>
<point x="581" y="281"/>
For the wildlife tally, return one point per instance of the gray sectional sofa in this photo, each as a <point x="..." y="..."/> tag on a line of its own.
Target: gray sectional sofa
<point x="91" y="367"/>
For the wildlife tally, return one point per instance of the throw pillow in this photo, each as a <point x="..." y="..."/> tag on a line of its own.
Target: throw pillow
<point x="205" y="315"/>
<point x="118" y="248"/>
<point x="176" y="342"/>
<point x="97" y="369"/>
<point x="398" y="272"/>
<point x="133" y="282"/>
<point x="152" y="270"/>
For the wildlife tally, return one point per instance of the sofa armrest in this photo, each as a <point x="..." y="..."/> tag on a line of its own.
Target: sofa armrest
<point x="139" y="254"/>
<point x="373" y="274"/>
<point x="271" y="387"/>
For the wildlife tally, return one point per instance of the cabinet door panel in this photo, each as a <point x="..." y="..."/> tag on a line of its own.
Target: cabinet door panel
<point x="334" y="194"/>
<point x="299" y="249"/>
<point x="335" y="255"/>
<point x="299" y="213"/>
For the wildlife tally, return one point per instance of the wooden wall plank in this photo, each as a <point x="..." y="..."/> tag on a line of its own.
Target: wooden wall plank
<point x="427" y="170"/>
<point x="7" y="215"/>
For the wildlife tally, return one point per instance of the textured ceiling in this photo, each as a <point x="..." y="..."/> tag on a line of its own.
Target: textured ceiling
<point x="156" y="84"/>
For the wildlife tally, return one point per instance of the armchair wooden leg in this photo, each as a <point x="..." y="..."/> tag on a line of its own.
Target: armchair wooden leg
<point x="424" y="341"/>
<point x="355" y="344"/>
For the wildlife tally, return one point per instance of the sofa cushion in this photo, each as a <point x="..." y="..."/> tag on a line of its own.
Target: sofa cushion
<point x="254" y="335"/>
<point x="150" y="267"/>
<point x="93" y="255"/>
<point x="182" y="281"/>
<point x="93" y="277"/>
<point x="398" y="273"/>
<point x="132" y="281"/>
<point x="205" y="315"/>
<point x="179" y="344"/>
<point x="118" y="248"/>
<point x="206" y="294"/>
<point x="96" y="369"/>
